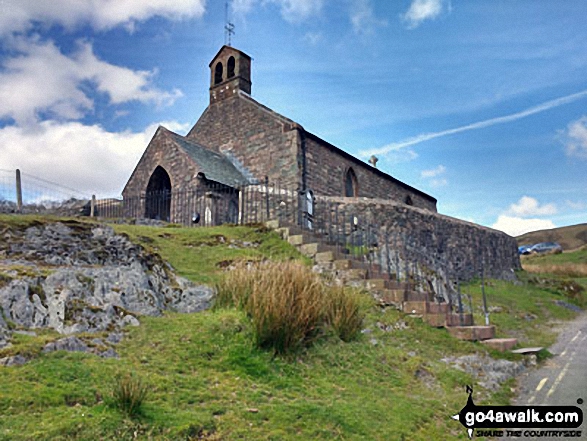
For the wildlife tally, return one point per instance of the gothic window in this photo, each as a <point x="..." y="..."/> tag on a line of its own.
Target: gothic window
<point x="350" y="184"/>
<point x="218" y="73"/>
<point x="408" y="200"/>
<point x="230" y="67"/>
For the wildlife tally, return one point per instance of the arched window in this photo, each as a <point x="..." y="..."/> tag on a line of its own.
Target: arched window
<point x="218" y="73"/>
<point x="350" y="184"/>
<point x="230" y="68"/>
<point x="408" y="200"/>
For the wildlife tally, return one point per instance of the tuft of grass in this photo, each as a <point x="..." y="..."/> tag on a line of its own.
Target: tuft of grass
<point x="344" y="313"/>
<point x="290" y="306"/>
<point x="129" y="393"/>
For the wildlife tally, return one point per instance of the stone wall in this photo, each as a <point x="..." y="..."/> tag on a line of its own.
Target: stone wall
<point x="326" y="174"/>
<point x="458" y="248"/>
<point x="267" y="144"/>
<point x="162" y="152"/>
<point x="258" y="139"/>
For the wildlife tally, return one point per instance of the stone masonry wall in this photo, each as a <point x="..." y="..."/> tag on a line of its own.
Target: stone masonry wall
<point x="460" y="248"/>
<point x="258" y="138"/>
<point x="162" y="152"/>
<point x="326" y="172"/>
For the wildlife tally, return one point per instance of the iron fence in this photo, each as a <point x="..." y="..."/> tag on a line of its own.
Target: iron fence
<point x="388" y="251"/>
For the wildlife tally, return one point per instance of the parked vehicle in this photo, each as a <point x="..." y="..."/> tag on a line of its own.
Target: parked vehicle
<point x="524" y="249"/>
<point x="546" y="247"/>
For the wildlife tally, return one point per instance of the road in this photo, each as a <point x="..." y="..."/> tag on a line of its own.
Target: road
<point x="562" y="380"/>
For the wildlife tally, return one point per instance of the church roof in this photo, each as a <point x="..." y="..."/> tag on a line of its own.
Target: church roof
<point x="215" y="166"/>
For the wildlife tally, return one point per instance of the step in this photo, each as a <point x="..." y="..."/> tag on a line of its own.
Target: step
<point x="456" y="319"/>
<point x="417" y="296"/>
<point x="355" y="274"/>
<point x="311" y="249"/>
<point x="501" y="344"/>
<point x="438" y="308"/>
<point x="283" y="232"/>
<point x="325" y="256"/>
<point x="382" y="283"/>
<point x="436" y="320"/>
<point x="272" y="224"/>
<point x="472" y="333"/>
<point x="392" y="295"/>
<point x="424" y="306"/>
<point x="412" y="307"/>
<point x="343" y="264"/>
<point x="296" y="239"/>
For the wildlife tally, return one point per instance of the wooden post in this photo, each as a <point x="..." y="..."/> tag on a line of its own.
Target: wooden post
<point x="93" y="206"/>
<point x="18" y="192"/>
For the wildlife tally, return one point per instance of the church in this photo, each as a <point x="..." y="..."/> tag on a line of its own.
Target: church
<point x="239" y="142"/>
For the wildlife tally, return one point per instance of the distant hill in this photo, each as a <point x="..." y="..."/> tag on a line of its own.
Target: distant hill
<point x="569" y="238"/>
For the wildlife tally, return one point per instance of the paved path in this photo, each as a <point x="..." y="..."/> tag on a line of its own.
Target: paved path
<point x="562" y="380"/>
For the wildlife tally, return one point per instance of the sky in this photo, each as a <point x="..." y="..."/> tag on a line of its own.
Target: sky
<point x="483" y="105"/>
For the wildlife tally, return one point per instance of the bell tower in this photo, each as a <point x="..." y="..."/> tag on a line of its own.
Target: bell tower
<point x="230" y="71"/>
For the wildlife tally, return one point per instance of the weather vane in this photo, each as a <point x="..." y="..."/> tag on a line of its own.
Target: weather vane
<point x="228" y="27"/>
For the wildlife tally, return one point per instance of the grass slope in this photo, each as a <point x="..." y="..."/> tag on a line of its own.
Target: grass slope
<point x="570" y="238"/>
<point x="207" y="380"/>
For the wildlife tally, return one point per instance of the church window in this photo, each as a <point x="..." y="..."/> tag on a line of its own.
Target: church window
<point x="230" y="67"/>
<point x="350" y="184"/>
<point x="218" y="73"/>
<point x="408" y="200"/>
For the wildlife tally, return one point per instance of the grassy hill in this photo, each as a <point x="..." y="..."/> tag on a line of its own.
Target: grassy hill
<point x="207" y="380"/>
<point x="570" y="238"/>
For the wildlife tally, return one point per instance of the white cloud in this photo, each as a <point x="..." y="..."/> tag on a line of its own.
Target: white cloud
<point x="528" y="206"/>
<point x="516" y="226"/>
<point x="41" y="79"/>
<point x="363" y="18"/>
<point x="291" y="10"/>
<point x="441" y="169"/>
<point x="399" y="156"/>
<point x="86" y="158"/>
<point x="579" y="205"/>
<point x="478" y="125"/>
<point x="576" y="138"/>
<point x="422" y="10"/>
<point x="435" y="176"/>
<point x="19" y="15"/>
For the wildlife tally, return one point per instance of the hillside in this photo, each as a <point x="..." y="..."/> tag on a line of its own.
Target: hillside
<point x="206" y="379"/>
<point x="570" y="238"/>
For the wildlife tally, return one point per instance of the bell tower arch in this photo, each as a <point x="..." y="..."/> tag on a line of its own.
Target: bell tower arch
<point x="230" y="71"/>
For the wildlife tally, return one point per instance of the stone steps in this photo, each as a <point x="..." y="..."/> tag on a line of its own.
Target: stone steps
<point x="349" y="268"/>
<point x="501" y="344"/>
<point x="472" y="333"/>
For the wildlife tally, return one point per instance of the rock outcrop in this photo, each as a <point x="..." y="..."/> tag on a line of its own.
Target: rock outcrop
<point x="76" y="277"/>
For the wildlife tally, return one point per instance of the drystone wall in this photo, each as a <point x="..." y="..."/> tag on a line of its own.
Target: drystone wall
<point x="443" y="244"/>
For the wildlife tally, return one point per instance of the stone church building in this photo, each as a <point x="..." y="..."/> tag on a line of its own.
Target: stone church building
<point x="243" y="162"/>
<point x="238" y="142"/>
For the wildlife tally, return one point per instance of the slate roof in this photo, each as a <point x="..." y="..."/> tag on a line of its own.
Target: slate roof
<point x="215" y="166"/>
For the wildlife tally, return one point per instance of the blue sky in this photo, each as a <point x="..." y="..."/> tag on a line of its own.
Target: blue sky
<point x="481" y="104"/>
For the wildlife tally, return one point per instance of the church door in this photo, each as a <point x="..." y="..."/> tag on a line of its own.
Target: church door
<point x="158" y="196"/>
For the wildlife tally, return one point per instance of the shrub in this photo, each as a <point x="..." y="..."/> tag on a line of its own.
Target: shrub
<point x="129" y="394"/>
<point x="344" y="313"/>
<point x="289" y="305"/>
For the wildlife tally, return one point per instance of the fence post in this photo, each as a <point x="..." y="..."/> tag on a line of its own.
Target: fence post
<point x="18" y="192"/>
<point x="267" y="198"/>
<point x="93" y="206"/>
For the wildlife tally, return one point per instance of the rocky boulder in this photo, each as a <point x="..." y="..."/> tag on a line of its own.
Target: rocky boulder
<point x="85" y="278"/>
